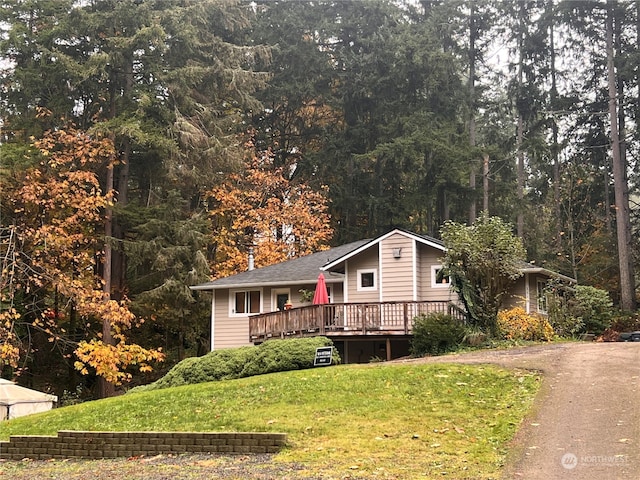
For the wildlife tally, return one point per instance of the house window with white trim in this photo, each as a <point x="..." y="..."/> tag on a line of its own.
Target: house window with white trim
<point x="367" y="280"/>
<point x="438" y="277"/>
<point x="244" y="302"/>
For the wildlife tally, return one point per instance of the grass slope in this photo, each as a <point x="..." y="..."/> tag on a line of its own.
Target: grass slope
<point x="386" y="421"/>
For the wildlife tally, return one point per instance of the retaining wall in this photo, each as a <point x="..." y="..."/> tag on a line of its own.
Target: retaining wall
<point x="77" y="444"/>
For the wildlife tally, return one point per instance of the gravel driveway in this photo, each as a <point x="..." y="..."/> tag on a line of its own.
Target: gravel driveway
<point x="586" y="422"/>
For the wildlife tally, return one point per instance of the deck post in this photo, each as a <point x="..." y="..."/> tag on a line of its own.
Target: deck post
<point x="364" y="320"/>
<point x="388" y="349"/>
<point x="406" y="318"/>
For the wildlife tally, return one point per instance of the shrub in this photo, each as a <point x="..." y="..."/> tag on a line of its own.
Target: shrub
<point x="621" y="323"/>
<point x="516" y="324"/>
<point x="593" y="307"/>
<point x="271" y="356"/>
<point x="436" y="333"/>
<point x="474" y="337"/>
<point x="626" y="322"/>
<point x="561" y="317"/>
<point x="284" y="355"/>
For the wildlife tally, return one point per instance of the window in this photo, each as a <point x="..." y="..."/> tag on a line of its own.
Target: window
<point x="246" y="302"/>
<point x="541" y="292"/>
<point x="366" y="280"/>
<point x="279" y="297"/>
<point x="438" y="278"/>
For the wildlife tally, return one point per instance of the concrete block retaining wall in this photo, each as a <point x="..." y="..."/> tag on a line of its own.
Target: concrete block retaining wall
<point x="75" y="444"/>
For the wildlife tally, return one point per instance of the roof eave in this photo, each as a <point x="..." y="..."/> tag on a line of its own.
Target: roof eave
<point x="377" y="240"/>
<point x="549" y="273"/>
<point x="206" y="287"/>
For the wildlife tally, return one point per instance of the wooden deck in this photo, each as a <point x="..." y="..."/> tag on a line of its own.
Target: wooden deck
<point x="346" y="319"/>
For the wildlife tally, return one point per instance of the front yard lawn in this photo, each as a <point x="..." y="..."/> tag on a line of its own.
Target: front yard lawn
<point x="373" y="421"/>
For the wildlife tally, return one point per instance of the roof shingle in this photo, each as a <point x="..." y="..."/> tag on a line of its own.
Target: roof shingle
<point x="296" y="271"/>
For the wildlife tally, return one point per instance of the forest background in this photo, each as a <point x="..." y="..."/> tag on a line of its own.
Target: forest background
<point x="146" y="145"/>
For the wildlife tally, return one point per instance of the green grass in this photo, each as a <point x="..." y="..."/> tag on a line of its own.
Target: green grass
<point x="389" y="421"/>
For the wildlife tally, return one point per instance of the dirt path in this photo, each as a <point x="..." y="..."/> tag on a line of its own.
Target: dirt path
<point x="586" y="424"/>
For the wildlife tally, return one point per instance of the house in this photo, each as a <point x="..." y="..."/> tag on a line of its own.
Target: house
<point x="375" y="289"/>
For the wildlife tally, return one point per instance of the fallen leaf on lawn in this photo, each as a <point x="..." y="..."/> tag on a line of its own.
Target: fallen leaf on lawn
<point x="207" y="463"/>
<point x="151" y="459"/>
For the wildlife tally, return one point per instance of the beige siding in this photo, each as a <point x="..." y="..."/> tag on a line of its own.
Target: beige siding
<point x="427" y="258"/>
<point x="227" y="332"/>
<point x="367" y="260"/>
<point x="337" y="293"/>
<point x="397" y="273"/>
<point x="518" y="295"/>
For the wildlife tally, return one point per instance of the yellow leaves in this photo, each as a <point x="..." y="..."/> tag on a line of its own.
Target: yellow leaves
<point x="517" y="324"/>
<point x="111" y="361"/>
<point x="9" y="354"/>
<point x="9" y="342"/>
<point x="81" y="368"/>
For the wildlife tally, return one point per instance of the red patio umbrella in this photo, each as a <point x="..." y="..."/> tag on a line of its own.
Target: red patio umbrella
<point x="320" y="296"/>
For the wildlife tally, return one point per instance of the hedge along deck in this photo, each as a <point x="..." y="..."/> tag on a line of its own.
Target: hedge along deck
<point x="95" y="445"/>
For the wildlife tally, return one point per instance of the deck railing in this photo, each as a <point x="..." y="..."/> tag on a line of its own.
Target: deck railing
<point x="339" y="319"/>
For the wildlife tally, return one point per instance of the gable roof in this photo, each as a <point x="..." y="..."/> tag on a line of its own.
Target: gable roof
<point x="300" y="271"/>
<point x="432" y="242"/>
<point x="305" y="270"/>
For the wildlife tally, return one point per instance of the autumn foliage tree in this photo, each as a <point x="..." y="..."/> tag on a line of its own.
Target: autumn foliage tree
<point x="51" y="250"/>
<point x="263" y="209"/>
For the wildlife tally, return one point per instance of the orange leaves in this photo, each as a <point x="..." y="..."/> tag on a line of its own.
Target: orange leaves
<point x="111" y="361"/>
<point x="92" y="304"/>
<point x="62" y="201"/>
<point x="280" y="218"/>
<point x="9" y="344"/>
<point x="58" y="216"/>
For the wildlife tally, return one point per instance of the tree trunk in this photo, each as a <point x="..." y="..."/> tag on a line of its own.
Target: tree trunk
<point x="473" y="32"/>
<point x="118" y="263"/>
<point x="623" y="224"/>
<point x="485" y="183"/>
<point x="520" y="132"/>
<point x="107" y="389"/>
<point x="555" y="149"/>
